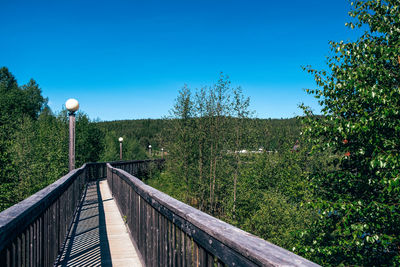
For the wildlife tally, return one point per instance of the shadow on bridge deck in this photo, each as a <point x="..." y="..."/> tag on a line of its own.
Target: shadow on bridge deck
<point x="87" y="243"/>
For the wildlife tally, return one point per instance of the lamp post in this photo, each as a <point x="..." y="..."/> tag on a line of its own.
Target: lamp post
<point x="162" y="152"/>
<point x="72" y="106"/>
<point x="120" y="147"/>
<point x="150" y="151"/>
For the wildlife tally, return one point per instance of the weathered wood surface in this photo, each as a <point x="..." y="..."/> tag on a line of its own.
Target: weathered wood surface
<point x="167" y="232"/>
<point x="171" y="233"/>
<point x="139" y="168"/>
<point x="98" y="236"/>
<point x="33" y="231"/>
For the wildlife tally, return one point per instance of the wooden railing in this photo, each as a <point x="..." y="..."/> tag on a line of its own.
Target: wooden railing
<point x="171" y="233"/>
<point x="32" y="232"/>
<point x="166" y="231"/>
<point x="139" y="168"/>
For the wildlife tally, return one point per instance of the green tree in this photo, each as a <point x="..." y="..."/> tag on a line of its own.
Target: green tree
<point x="182" y="147"/>
<point x="16" y="103"/>
<point x="111" y="147"/>
<point x="358" y="198"/>
<point x="89" y="140"/>
<point x="39" y="154"/>
<point x="205" y="127"/>
<point x="240" y="111"/>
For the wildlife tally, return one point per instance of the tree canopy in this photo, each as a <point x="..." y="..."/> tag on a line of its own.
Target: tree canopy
<point x="34" y="141"/>
<point x="358" y="199"/>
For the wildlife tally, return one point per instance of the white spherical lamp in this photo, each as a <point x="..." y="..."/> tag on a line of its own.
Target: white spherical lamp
<point x="72" y="105"/>
<point x="120" y="139"/>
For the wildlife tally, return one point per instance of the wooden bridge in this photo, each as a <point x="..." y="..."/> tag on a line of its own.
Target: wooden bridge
<point x="102" y="215"/>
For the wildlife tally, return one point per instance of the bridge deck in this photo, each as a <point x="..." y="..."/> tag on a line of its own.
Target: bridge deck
<point x="99" y="236"/>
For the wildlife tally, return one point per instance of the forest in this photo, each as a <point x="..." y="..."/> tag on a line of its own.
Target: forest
<point x="325" y="186"/>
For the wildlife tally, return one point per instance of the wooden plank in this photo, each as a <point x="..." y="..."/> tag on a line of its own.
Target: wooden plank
<point x="130" y="210"/>
<point x="162" y="241"/>
<point x="56" y="227"/>
<point x="41" y="241"/>
<point x="167" y="242"/>
<point x="149" y="235"/>
<point x="46" y="237"/>
<point x="144" y="232"/>
<point x="189" y="251"/>
<point x="183" y="249"/>
<point x="26" y="235"/>
<point x="170" y="240"/>
<point x="179" y="246"/>
<point x="3" y="257"/>
<point x="156" y="238"/>
<point x="174" y="245"/>
<point x="38" y="245"/>
<point x="31" y="245"/>
<point x="202" y="257"/>
<point x="210" y="259"/>
<point x="13" y="253"/>
<point x="220" y="264"/>
<point x="8" y="250"/>
<point x="137" y="216"/>
<point x="51" y="232"/>
<point x="34" y="244"/>
<point x="19" y="251"/>
<point x="140" y="229"/>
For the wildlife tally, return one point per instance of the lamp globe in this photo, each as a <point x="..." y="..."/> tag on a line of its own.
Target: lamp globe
<point x="72" y="105"/>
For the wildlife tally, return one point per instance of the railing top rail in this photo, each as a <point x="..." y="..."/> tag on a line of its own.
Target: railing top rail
<point x="14" y="219"/>
<point x="254" y="248"/>
<point x="134" y="161"/>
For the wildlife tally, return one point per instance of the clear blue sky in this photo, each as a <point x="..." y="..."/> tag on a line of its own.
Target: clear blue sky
<point x="128" y="59"/>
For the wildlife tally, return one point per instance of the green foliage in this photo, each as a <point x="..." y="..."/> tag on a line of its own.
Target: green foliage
<point x="111" y="147"/>
<point x="207" y="168"/>
<point x="168" y="184"/>
<point x="34" y="142"/>
<point x="358" y="198"/>
<point x="89" y="140"/>
<point x="38" y="153"/>
<point x="205" y="124"/>
<point x="269" y="134"/>
<point x="276" y="219"/>
<point x="15" y="103"/>
<point x="145" y="132"/>
<point x="271" y="188"/>
<point x="131" y="148"/>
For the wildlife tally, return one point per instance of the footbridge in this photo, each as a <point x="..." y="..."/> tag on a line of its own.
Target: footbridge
<point x="102" y="214"/>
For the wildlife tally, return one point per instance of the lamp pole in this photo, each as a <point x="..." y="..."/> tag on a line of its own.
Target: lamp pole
<point x="150" y="151"/>
<point x="120" y="147"/>
<point x="72" y="106"/>
<point x="162" y="152"/>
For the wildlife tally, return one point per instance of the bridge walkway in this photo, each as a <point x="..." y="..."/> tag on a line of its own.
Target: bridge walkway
<point x="98" y="236"/>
